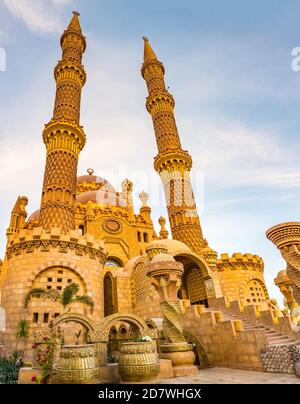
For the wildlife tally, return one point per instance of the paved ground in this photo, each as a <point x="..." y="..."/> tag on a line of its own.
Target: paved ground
<point x="232" y="376"/>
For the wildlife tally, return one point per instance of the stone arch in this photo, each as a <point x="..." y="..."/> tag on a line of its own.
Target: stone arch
<point x="85" y="321"/>
<point x="197" y="285"/>
<point x="198" y="348"/>
<point x="59" y="262"/>
<point x="128" y="318"/>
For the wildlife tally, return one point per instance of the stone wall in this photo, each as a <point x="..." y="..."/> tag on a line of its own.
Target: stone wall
<point x="30" y="254"/>
<point x="281" y="359"/>
<point x="236" y="273"/>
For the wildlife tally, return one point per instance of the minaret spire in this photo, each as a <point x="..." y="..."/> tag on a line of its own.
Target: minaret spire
<point x="63" y="136"/>
<point x="149" y="53"/>
<point x="75" y="23"/>
<point x="172" y="163"/>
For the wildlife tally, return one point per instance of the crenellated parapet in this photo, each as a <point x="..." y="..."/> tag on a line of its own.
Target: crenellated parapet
<point x="40" y="241"/>
<point x="240" y="261"/>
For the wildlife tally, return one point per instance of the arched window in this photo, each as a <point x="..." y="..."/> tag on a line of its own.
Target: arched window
<point x="82" y="228"/>
<point x="109" y="301"/>
<point x="112" y="263"/>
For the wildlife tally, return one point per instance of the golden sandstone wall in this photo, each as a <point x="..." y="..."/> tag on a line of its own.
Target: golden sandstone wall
<point x="49" y="259"/>
<point x="241" y="278"/>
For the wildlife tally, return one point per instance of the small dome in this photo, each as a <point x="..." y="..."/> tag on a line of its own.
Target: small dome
<point x="173" y="246"/>
<point x="162" y="258"/>
<point x="102" y="197"/>
<point x="281" y="273"/>
<point x="35" y="216"/>
<point x="94" y="179"/>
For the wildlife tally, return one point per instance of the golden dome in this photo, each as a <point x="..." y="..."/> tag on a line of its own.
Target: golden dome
<point x="102" y="197"/>
<point x="162" y="258"/>
<point x="281" y="273"/>
<point x="173" y="246"/>
<point x="99" y="182"/>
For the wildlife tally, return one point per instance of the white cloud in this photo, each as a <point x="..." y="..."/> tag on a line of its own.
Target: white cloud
<point x="39" y="15"/>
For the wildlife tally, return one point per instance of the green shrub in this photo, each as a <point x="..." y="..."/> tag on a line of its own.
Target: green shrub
<point x="9" y="371"/>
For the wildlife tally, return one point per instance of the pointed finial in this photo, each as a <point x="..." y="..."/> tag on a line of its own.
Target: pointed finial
<point x="149" y="53"/>
<point x="75" y="24"/>
<point x="144" y="197"/>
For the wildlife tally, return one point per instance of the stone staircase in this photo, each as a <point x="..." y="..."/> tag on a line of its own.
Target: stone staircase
<point x="273" y="337"/>
<point x="282" y="350"/>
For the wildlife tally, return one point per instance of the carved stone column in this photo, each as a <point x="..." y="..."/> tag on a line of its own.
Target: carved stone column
<point x="165" y="275"/>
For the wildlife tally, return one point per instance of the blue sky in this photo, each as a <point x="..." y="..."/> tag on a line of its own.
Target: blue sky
<point x="228" y="65"/>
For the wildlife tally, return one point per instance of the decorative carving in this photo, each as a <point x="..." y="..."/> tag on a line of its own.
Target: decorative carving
<point x="33" y="243"/>
<point x="112" y="226"/>
<point x="76" y="365"/>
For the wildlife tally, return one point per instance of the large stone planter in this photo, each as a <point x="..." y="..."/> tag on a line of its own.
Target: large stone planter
<point x="138" y="362"/>
<point x="182" y="358"/>
<point x="297" y="368"/>
<point x="77" y="364"/>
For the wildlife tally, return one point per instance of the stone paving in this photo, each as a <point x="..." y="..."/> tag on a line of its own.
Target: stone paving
<point x="233" y="376"/>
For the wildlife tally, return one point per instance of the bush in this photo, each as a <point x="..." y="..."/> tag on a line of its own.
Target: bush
<point x="112" y="359"/>
<point x="9" y="371"/>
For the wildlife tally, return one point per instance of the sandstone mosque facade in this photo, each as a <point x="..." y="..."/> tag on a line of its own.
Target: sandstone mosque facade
<point x="87" y="232"/>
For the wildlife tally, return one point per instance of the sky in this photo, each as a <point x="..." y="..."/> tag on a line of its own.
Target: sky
<point x="228" y="65"/>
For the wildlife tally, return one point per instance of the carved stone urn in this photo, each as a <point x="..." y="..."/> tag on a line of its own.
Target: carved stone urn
<point x="138" y="362"/>
<point x="77" y="364"/>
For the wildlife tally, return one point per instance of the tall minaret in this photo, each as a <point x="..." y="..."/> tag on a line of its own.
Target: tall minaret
<point x="172" y="163"/>
<point x="63" y="136"/>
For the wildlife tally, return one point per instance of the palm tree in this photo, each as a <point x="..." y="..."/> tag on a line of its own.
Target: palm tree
<point x="65" y="298"/>
<point x="23" y="332"/>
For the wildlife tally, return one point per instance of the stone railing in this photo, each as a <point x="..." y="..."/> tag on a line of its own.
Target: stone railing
<point x="263" y="315"/>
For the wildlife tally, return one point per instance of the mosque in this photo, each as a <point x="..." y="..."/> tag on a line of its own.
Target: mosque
<point x="87" y="232"/>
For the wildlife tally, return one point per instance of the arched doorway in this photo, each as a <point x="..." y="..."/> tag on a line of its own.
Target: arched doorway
<point x="193" y="285"/>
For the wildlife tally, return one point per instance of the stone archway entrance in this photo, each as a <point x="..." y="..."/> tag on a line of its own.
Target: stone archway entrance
<point x="122" y="328"/>
<point x="194" y="281"/>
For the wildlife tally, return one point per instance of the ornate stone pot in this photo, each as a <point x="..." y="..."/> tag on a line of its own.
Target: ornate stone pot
<point x="138" y="362"/>
<point x="297" y="368"/>
<point x="77" y="364"/>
